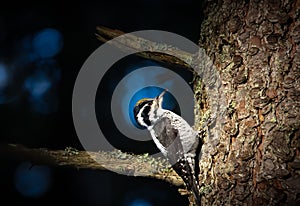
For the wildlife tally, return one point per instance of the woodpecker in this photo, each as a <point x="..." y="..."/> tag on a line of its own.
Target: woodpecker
<point x="173" y="136"/>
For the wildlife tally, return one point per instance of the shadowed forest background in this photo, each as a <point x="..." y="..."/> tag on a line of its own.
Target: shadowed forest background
<point x="42" y="48"/>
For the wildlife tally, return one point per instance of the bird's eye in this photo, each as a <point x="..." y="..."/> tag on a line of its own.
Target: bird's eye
<point x="145" y="114"/>
<point x="136" y="111"/>
<point x="146" y="110"/>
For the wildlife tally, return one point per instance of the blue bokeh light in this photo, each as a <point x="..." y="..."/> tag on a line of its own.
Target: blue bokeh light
<point x="41" y="87"/>
<point x="7" y="93"/>
<point x="32" y="181"/>
<point x="47" y="43"/>
<point x="139" y="202"/>
<point x="169" y="101"/>
<point x="3" y="76"/>
<point x="38" y="84"/>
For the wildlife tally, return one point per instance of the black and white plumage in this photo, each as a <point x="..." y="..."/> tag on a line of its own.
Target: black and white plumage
<point x="173" y="136"/>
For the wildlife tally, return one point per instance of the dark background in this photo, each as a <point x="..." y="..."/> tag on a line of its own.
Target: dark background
<point x="36" y="96"/>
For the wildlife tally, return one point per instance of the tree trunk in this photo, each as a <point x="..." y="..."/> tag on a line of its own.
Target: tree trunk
<point x="254" y="46"/>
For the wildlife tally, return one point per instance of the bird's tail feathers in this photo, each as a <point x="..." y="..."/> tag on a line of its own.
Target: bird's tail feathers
<point x="186" y="172"/>
<point x="196" y="191"/>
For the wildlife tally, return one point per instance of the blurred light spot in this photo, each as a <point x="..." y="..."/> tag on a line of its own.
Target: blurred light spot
<point x="139" y="202"/>
<point x="32" y="181"/>
<point x="169" y="101"/>
<point x="47" y="43"/>
<point x="41" y="87"/>
<point x="37" y="84"/>
<point x="3" y="76"/>
<point x="7" y="92"/>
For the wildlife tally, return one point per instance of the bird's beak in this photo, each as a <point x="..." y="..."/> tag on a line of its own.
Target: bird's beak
<point x="162" y="94"/>
<point x="159" y="98"/>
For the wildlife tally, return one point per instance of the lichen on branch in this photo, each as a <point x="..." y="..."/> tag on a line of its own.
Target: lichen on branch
<point x="114" y="161"/>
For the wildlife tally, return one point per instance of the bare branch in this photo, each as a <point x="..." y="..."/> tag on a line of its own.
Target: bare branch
<point x="138" y="44"/>
<point x="115" y="161"/>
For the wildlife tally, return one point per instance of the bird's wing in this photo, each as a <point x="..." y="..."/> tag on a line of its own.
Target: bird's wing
<point x="168" y="137"/>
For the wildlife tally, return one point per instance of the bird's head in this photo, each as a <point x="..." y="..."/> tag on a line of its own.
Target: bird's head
<point x="148" y="110"/>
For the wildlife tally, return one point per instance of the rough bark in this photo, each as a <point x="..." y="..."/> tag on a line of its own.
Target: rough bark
<point x="254" y="45"/>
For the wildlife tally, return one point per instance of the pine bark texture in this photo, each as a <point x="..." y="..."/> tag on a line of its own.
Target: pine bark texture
<point x="254" y="45"/>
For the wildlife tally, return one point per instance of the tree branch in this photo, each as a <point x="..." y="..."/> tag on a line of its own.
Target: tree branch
<point x="115" y="161"/>
<point x="139" y="45"/>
